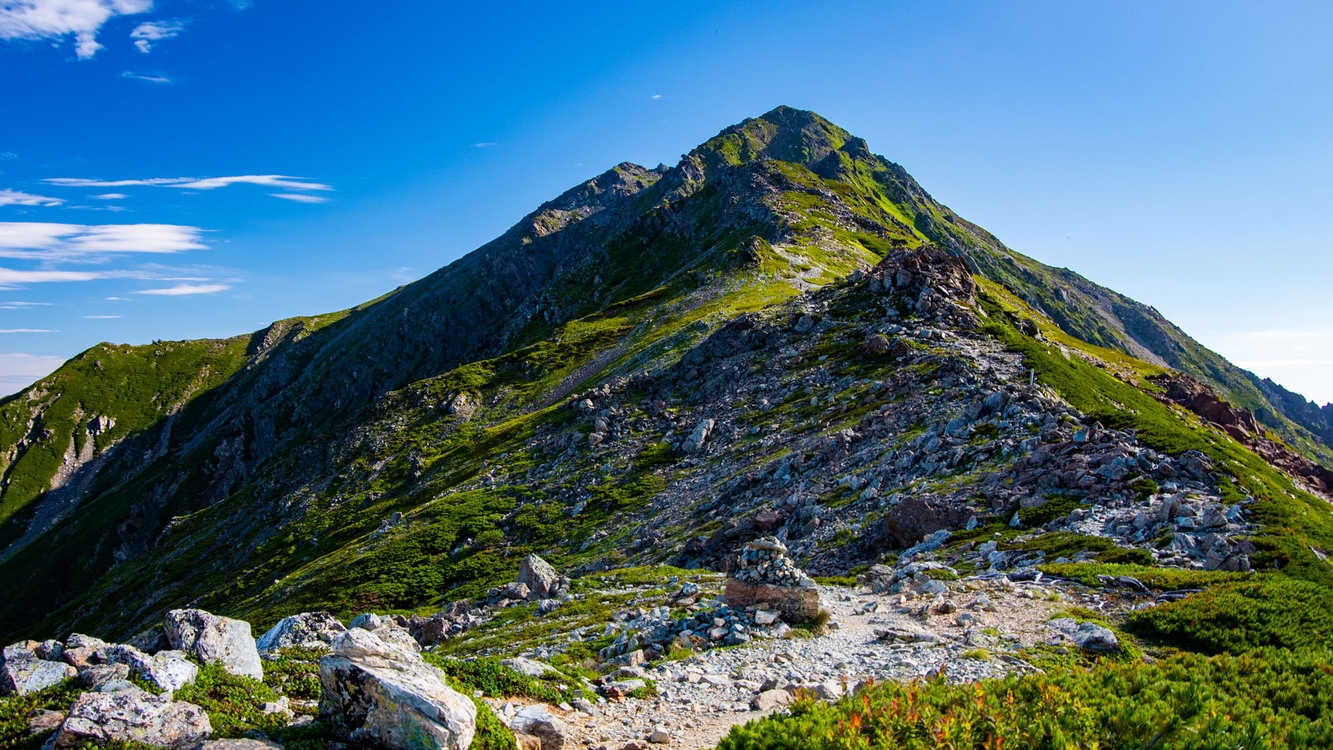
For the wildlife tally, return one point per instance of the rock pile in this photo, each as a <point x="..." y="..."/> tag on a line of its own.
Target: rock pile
<point x="763" y="575"/>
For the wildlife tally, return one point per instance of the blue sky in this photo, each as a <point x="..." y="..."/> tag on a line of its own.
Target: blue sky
<point x="186" y="168"/>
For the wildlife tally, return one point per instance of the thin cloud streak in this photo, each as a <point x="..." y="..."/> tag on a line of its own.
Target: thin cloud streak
<point x="160" y="79"/>
<point x="26" y="330"/>
<point x="181" y="290"/>
<point x="283" y="182"/>
<point x="16" y="198"/>
<point x="300" y="198"/>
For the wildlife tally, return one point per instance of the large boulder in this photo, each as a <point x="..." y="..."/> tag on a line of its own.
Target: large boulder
<point x="542" y="580"/>
<point x="215" y="640"/>
<point x="385" y="695"/>
<point x="796" y="603"/>
<point x="131" y="715"/>
<point x="21" y="672"/>
<point x="307" y="630"/>
<point x="916" y="518"/>
<point x="538" y="721"/>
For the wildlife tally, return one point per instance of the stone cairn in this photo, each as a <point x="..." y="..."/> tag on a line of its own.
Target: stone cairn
<point x="763" y="575"/>
<point x="765" y="561"/>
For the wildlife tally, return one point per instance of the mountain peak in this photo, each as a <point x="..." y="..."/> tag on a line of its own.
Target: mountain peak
<point x="783" y="133"/>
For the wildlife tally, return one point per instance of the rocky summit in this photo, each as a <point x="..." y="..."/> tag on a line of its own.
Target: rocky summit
<point x="769" y="434"/>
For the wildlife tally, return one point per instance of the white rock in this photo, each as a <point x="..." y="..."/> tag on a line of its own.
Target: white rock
<point x="306" y="630"/>
<point x="131" y="715"/>
<point x="215" y="640"/>
<point x="539" y="722"/>
<point x="383" y="694"/>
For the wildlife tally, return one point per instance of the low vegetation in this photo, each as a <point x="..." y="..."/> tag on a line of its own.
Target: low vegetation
<point x="1266" y="699"/>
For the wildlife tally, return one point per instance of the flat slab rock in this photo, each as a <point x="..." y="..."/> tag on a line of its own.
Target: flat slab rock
<point x="131" y="715"/>
<point x="796" y="603"/>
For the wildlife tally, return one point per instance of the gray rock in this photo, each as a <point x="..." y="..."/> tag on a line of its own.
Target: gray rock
<point x="771" y="699"/>
<point x="529" y="667"/>
<point x="21" y="672"/>
<point x="94" y="677"/>
<point x="1096" y="638"/>
<point x="541" y="579"/>
<point x="695" y="441"/>
<point x="307" y="630"/>
<point x="391" y="633"/>
<point x="366" y="621"/>
<point x="169" y="670"/>
<point x="383" y="694"/>
<point x="131" y="715"/>
<point x="659" y="736"/>
<point x="214" y="640"/>
<point x="51" y="650"/>
<point x="539" y="722"/>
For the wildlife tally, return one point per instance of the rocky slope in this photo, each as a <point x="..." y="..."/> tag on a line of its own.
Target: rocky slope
<point x="782" y="334"/>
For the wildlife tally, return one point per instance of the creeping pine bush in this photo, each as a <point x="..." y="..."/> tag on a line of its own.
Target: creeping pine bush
<point x="1235" y="617"/>
<point x="495" y="680"/>
<point x="15" y="711"/>
<point x="1263" y="699"/>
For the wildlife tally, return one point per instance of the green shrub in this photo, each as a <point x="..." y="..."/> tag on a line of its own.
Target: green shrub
<point x="1160" y="579"/>
<point x="1055" y="507"/>
<point x="1263" y="699"/>
<point x="14" y="713"/>
<point x="491" y="734"/>
<point x="495" y="680"/>
<point x="1235" y="617"/>
<point x="1065" y="544"/>
<point x="295" y="673"/>
<point x="233" y="703"/>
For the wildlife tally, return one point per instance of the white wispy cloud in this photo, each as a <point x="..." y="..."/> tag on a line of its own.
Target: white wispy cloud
<point x="155" y="31"/>
<point x="26" y="330"/>
<point x="22" y="305"/>
<point x="51" y="241"/>
<point x="15" y="198"/>
<point x="150" y="78"/>
<point x="57" y="19"/>
<point x="300" y="197"/>
<point x="102" y="317"/>
<point x="484" y="144"/>
<point x="10" y="278"/>
<point x="181" y="290"/>
<point x="282" y="182"/>
<point x="8" y="156"/>
<point x="110" y="197"/>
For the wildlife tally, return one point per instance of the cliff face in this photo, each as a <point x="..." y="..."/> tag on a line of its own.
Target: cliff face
<point x="258" y="470"/>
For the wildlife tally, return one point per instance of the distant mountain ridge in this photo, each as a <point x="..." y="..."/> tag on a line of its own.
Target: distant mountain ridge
<point x="136" y="476"/>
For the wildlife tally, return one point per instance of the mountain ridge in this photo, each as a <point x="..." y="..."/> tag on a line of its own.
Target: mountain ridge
<point x="627" y="272"/>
